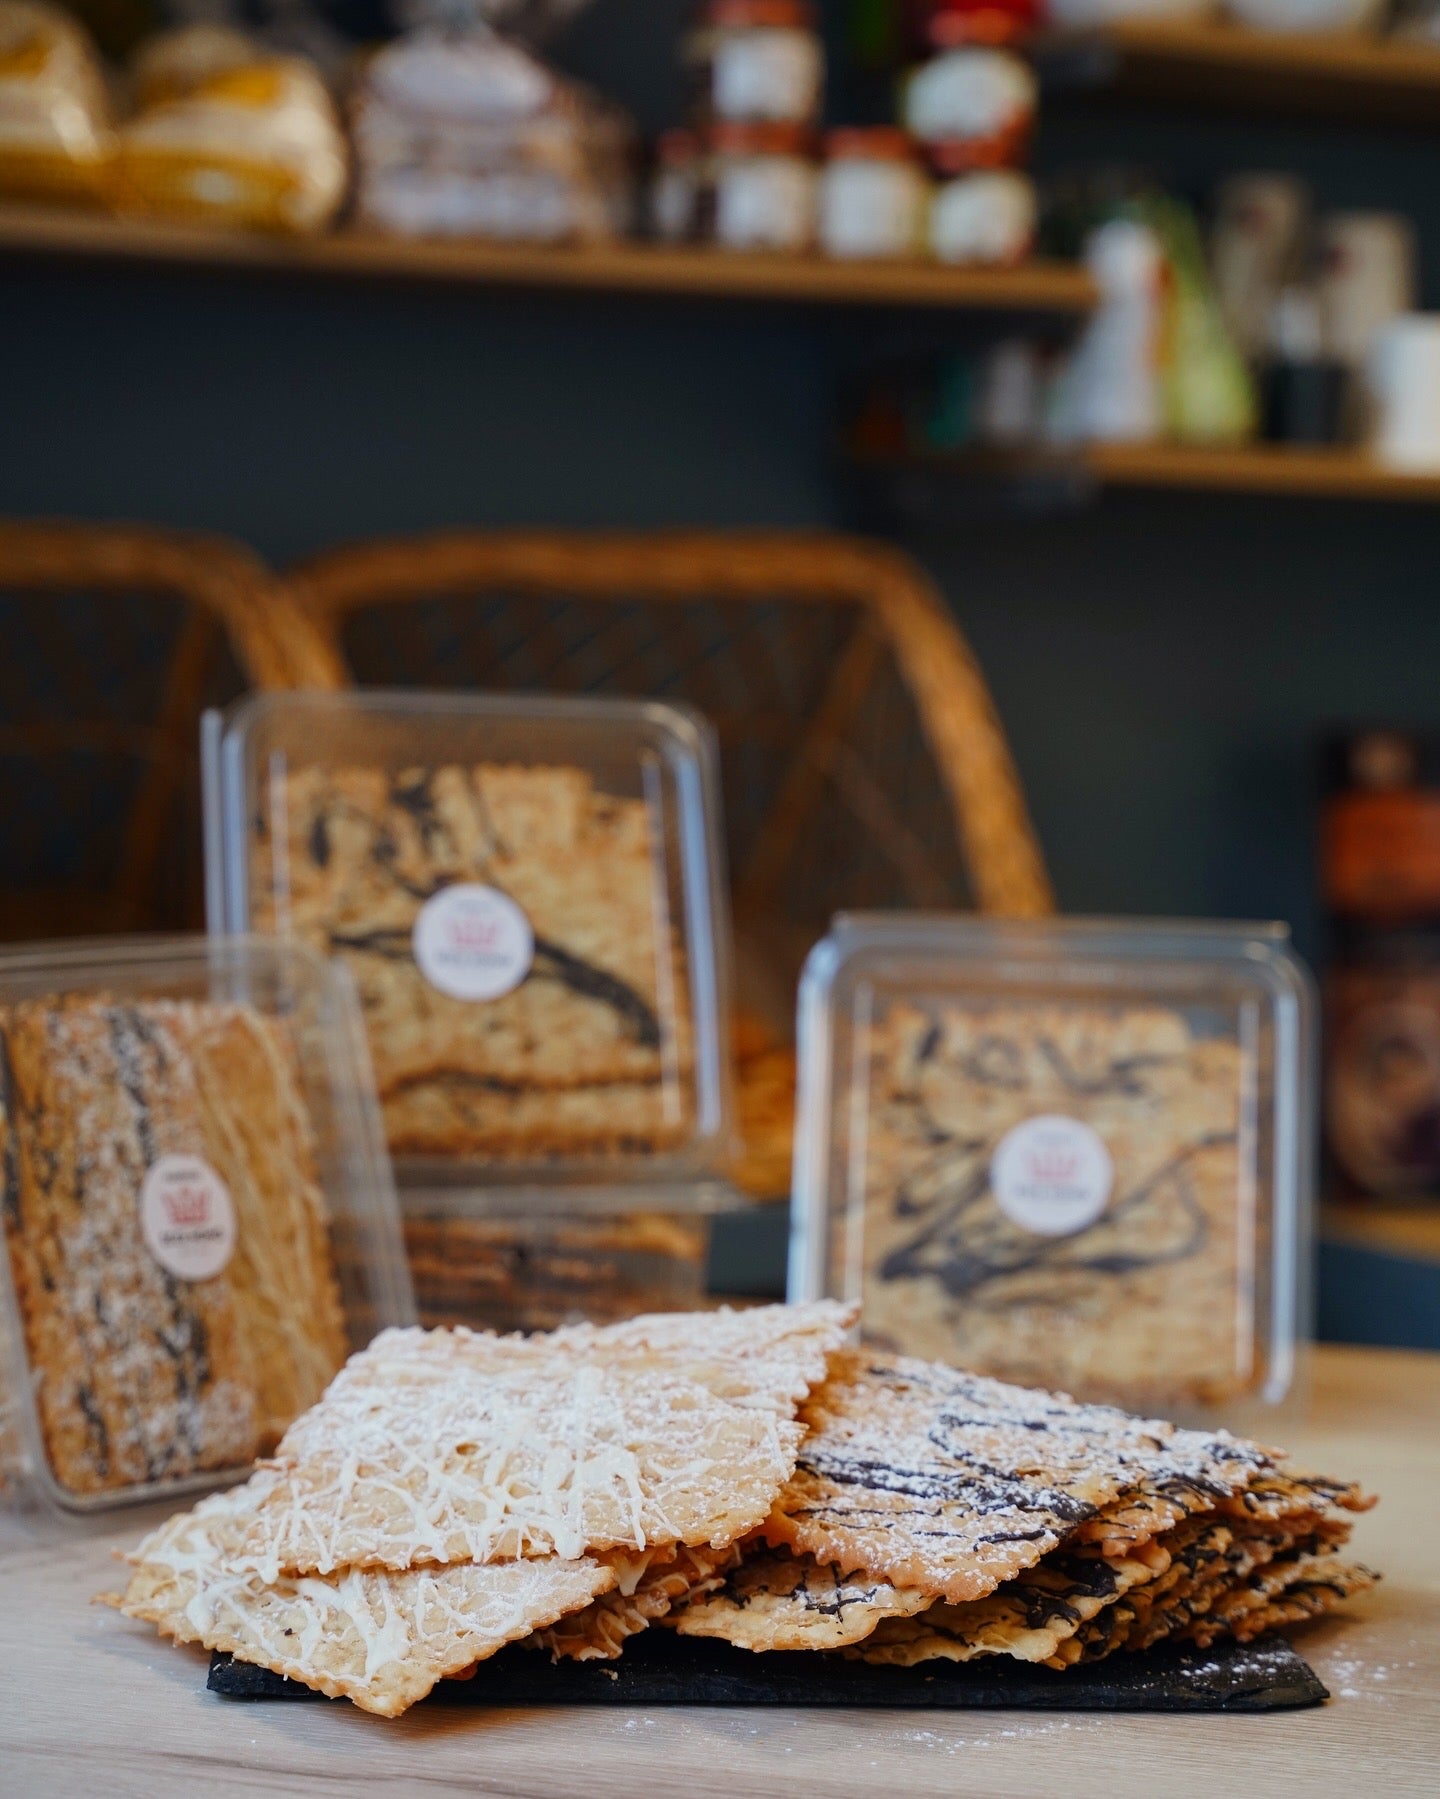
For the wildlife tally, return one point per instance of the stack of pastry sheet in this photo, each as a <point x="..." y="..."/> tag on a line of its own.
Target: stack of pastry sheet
<point x="589" y="1055"/>
<point x="735" y="1475"/>
<point x="937" y="1514"/>
<point x="139" y="1376"/>
<point x="455" y="1491"/>
<point x="528" y="1271"/>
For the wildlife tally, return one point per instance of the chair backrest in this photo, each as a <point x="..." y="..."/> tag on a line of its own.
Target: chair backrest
<point x="115" y="637"/>
<point x="863" y="760"/>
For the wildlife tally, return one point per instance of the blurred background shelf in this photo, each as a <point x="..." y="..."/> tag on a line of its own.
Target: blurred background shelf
<point x="613" y="268"/>
<point x="1339" y="474"/>
<point x="921" y="486"/>
<point x="1332" y="75"/>
<point x="1379" y="1268"/>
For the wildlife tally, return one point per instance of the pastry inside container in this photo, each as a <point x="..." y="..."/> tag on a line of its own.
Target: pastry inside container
<point x="527" y="893"/>
<point x="144" y="1376"/>
<point x="1156" y="1297"/>
<point x="196" y="1232"/>
<point x="519" y="1270"/>
<point x="1070" y="1153"/>
<point x="591" y="1051"/>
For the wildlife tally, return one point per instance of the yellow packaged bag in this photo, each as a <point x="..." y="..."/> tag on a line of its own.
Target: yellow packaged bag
<point x="56" y="141"/>
<point x="253" y="143"/>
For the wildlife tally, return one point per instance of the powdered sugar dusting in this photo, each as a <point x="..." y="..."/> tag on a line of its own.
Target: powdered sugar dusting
<point x="457" y="1446"/>
<point x="382" y="1640"/>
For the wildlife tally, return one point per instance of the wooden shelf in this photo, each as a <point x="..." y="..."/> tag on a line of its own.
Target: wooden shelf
<point x="617" y="268"/>
<point x="1337" y="74"/>
<point x="1409" y="1231"/>
<point x="1338" y="474"/>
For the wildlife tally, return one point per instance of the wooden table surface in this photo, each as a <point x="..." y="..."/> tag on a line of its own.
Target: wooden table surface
<point x="92" y="1703"/>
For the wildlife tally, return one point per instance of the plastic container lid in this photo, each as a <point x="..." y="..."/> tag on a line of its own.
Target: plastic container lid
<point x="199" y="1218"/>
<point x="1068" y="1153"/>
<point x="528" y="893"/>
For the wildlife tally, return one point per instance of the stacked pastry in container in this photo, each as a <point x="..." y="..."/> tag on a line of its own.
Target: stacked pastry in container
<point x="471" y="136"/>
<point x="196" y="1226"/>
<point x="733" y="1475"/>
<point x="526" y="893"/>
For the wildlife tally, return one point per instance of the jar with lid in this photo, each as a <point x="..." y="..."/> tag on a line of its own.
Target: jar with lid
<point x="987" y="215"/>
<point x="760" y="189"/>
<point x="972" y="109"/>
<point x="1380" y="874"/>
<point x="757" y="62"/>
<point x="873" y="195"/>
<point x="673" y="197"/>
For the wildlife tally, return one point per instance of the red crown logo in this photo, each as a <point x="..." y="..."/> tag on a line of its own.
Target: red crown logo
<point x="187" y="1204"/>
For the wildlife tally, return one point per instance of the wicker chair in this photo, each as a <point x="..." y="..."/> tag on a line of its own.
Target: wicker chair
<point x="849" y="707"/>
<point x="115" y="637"/>
<point x="863" y="763"/>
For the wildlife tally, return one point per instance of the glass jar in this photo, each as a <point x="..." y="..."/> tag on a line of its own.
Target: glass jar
<point x="757" y="62"/>
<point x="673" y="212"/>
<point x="985" y="216"/>
<point x="972" y="109"/>
<point x="762" y="184"/>
<point x="873" y="195"/>
<point x="1380" y="873"/>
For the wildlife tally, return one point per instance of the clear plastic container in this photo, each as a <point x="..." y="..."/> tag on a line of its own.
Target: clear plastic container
<point x="493" y="1264"/>
<point x="200" y="1223"/>
<point x="1069" y="1153"/>
<point x="528" y="892"/>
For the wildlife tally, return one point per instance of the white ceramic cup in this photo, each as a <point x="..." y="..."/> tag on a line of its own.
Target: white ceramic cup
<point x="1367" y="278"/>
<point x="1404" y="378"/>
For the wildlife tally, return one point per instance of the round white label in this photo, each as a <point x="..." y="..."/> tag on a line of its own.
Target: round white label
<point x="473" y="942"/>
<point x="187" y="1217"/>
<point x="1051" y="1175"/>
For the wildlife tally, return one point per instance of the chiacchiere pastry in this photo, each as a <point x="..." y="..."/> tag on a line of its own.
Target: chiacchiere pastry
<point x="141" y="1375"/>
<point x="527" y="1272"/>
<point x="733" y="1475"/>
<point x="1152" y="1302"/>
<point x="589" y="1054"/>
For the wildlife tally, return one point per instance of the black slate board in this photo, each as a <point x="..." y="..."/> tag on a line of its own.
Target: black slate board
<point x="660" y="1669"/>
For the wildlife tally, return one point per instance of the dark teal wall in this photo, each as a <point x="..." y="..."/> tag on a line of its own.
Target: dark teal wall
<point x="1164" y="664"/>
<point x="295" y="414"/>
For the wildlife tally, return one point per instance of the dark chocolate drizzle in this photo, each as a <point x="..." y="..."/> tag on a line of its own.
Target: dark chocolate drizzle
<point x="97" y="1434"/>
<point x="413" y="793"/>
<point x="416" y="796"/>
<point x="980" y="1489"/>
<point x="969" y="1248"/>
<point x="595" y="983"/>
<point x="552" y="962"/>
<point x="182" y="1335"/>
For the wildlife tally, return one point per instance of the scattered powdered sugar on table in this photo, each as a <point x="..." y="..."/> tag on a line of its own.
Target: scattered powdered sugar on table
<point x="1350" y="1678"/>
